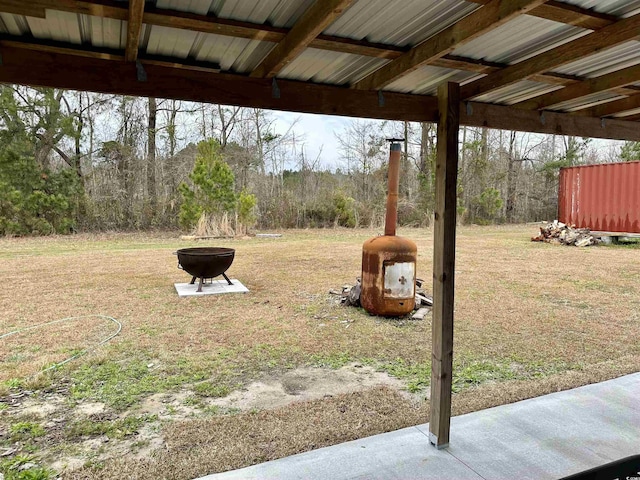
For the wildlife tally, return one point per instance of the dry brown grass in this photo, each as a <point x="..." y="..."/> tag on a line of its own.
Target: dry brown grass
<point x="571" y="314"/>
<point x="201" y="447"/>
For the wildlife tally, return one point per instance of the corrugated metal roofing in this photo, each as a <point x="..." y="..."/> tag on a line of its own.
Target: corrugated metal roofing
<point x="519" y="39"/>
<point x="628" y="113"/>
<point x="399" y="22"/>
<point x="323" y="66"/>
<point x="402" y="23"/>
<point x="279" y="13"/>
<point x="58" y="26"/>
<point x="618" y="8"/>
<point x="607" y="61"/>
<point x="587" y="101"/>
<point x="425" y="80"/>
<point x="518" y="92"/>
<point x="104" y="32"/>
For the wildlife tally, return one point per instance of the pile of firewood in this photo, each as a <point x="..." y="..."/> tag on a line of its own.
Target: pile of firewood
<point x="350" y="297"/>
<point x="561" y="233"/>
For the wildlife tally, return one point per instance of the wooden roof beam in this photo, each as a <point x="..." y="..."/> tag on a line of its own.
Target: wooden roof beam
<point x="253" y="31"/>
<point x="615" y="34"/>
<point x="569" y="14"/>
<point x="58" y="70"/>
<point x="492" y="15"/>
<point x="475" y="114"/>
<point x="110" y="54"/>
<point x="603" y="83"/>
<point x="313" y="21"/>
<point x="134" y="28"/>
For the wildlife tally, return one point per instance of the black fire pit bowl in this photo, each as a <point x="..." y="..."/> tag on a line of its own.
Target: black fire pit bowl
<point x="205" y="262"/>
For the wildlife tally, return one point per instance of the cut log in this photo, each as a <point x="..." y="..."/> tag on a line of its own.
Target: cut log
<point x="560" y="233"/>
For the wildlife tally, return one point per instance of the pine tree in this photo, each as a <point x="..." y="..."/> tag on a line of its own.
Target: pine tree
<point x="212" y="191"/>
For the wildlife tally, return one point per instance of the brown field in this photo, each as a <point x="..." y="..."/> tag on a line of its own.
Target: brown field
<point x="194" y="386"/>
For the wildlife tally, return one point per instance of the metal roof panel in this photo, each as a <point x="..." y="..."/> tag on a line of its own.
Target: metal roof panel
<point x="279" y="13"/>
<point x="13" y="24"/>
<point x="517" y="92"/>
<point x="519" y="39"/>
<point x="425" y="80"/>
<point x="324" y="66"/>
<point x="58" y="26"/>
<point x="587" y="101"/>
<point x="606" y="61"/>
<point x="618" y="8"/>
<point x="104" y="32"/>
<point x="399" y="22"/>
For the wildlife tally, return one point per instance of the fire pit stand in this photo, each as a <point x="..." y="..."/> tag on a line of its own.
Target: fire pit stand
<point x="203" y="280"/>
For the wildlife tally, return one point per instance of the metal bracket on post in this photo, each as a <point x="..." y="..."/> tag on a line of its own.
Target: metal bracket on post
<point x="434" y="441"/>
<point x="275" y="89"/>
<point x="469" y="108"/>
<point x="141" y="72"/>
<point x="602" y="123"/>
<point x="543" y="120"/>
<point x="380" y="99"/>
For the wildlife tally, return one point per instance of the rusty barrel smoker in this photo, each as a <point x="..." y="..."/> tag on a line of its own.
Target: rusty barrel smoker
<point x="389" y="261"/>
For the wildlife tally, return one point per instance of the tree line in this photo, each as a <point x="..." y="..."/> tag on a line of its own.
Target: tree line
<point x="78" y="161"/>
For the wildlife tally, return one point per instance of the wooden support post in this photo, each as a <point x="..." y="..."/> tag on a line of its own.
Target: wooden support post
<point x="444" y="252"/>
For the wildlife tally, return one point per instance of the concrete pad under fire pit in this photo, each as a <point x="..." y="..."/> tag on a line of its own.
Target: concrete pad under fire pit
<point x="216" y="287"/>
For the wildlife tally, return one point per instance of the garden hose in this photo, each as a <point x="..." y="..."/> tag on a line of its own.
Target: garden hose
<point x="68" y="319"/>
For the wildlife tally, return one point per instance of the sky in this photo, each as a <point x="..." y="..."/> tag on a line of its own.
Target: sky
<point x="318" y="132"/>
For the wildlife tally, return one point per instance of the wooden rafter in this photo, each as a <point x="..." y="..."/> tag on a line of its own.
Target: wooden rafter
<point x="134" y="28"/>
<point x="610" y="36"/>
<point x="20" y="7"/>
<point x="569" y="14"/>
<point x="313" y="21"/>
<point x="551" y="10"/>
<point x="603" y="83"/>
<point x="114" y="55"/>
<point x="254" y="31"/>
<point x="233" y="28"/>
<point x="611" y="108"/>
<point x="492" y="15"/>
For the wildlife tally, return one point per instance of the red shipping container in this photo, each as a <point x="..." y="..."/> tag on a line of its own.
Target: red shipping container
<point x="604" y="198"/>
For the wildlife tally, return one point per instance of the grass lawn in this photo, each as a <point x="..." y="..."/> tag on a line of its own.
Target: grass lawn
<point x="193" y="386"/>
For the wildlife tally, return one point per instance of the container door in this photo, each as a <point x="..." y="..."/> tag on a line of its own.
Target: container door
<point x="399" y="279"/>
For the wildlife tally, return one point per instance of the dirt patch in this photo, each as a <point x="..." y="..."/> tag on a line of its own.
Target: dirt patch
<point x="89" y="409"/>
<point x="306" y="383"/>
<point x="199" y="447"/>
<point x="169" y="406"/>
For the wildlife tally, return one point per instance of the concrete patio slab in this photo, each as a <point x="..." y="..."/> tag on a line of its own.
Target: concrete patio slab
<point x="214" y="287"/>
<point x="541" y="438"/>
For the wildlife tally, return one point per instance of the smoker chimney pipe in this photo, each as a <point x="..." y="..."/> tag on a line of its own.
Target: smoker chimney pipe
<point x="391" y="219"/>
